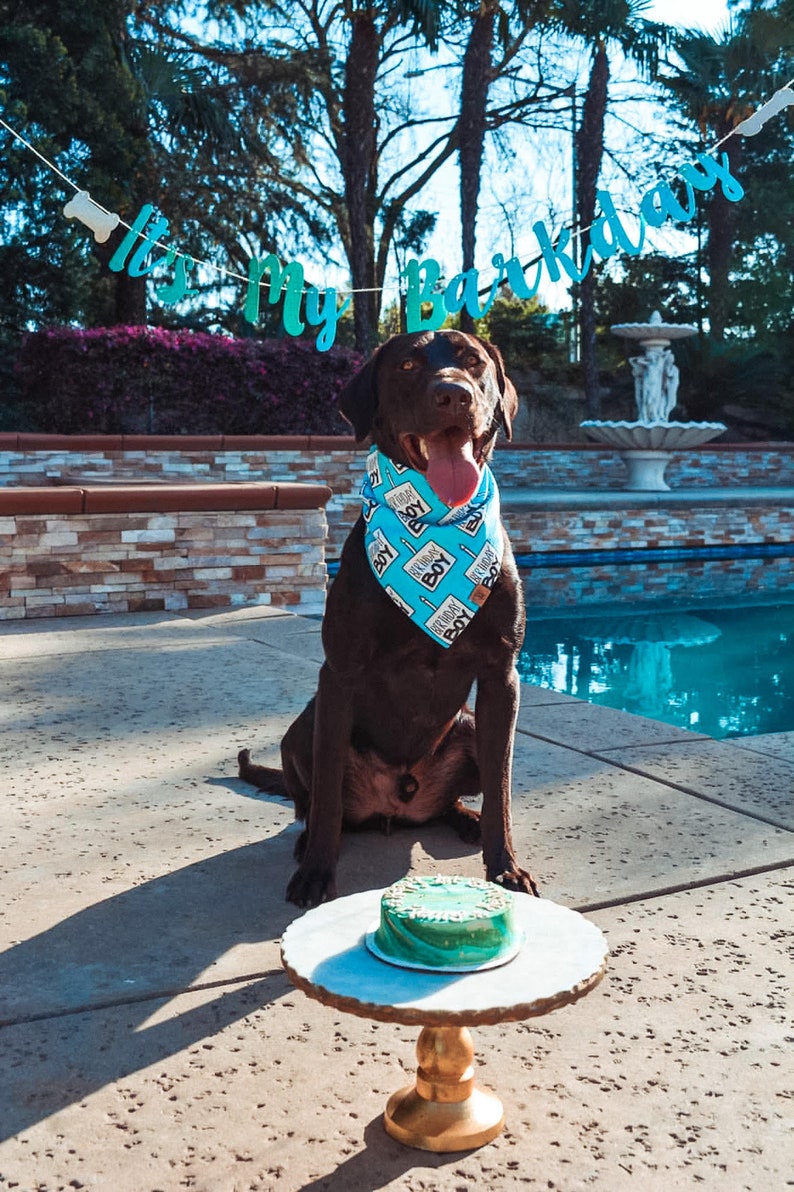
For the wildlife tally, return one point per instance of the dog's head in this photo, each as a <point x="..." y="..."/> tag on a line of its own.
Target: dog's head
<point x="433" y="401"/>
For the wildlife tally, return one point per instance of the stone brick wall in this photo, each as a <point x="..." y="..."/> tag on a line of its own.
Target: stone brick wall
<point x="640" y="523"/>
<point x="682" y="583"/>
<point x="55" y="459"/>
<point x="62" y="561"/>
<point x="714" y="465"/>
<point x="339" y="463"/>
<point x="188" y="558"/>
<point x="552" y="529"/>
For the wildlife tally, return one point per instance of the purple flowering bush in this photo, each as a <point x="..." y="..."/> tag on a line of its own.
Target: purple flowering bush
<point x="147" y="380"/>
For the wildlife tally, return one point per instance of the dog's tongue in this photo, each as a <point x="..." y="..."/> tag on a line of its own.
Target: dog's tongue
<point x="451" y="471"/>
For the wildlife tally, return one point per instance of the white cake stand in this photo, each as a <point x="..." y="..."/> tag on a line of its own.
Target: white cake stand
<point x="325" y="956"/>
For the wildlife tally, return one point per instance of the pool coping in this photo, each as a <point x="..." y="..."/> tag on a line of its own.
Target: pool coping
<point x="594" y="498"/>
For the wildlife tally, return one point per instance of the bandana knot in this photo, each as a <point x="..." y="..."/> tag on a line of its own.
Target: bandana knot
<point x="437" y="564"/>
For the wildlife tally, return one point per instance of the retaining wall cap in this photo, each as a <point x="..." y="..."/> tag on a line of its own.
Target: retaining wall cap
<point x="563" y="445"/>
<point x="335" y="443"/>
<point x="266" y="442"/>
<point x="39" y="442"/>
<point x="179" y="498"/>
<point x="40" y="500"/>
<point x="783" y="447"/>
<point x="302" y="496"/>
<point x="162" y="498"/>
<point x="342" y="442"/>
<point x="172" y="442"/>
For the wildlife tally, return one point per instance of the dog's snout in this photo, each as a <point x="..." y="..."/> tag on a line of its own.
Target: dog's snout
<point x="449" y="395"/>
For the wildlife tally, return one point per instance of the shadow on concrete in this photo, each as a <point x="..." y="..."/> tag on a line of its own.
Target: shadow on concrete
<point x="47" y="1069"/>
<point x="381" y="1162"/>
<point x="101" y="973"/>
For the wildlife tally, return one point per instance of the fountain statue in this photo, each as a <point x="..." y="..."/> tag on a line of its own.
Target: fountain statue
<point x="655" y="385"/>
<point x="645" y="445"/>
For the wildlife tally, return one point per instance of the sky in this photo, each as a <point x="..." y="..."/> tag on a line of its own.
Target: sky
<point x="696" y="14"/>
<point x="549" y="188"/>
<point x="536" y="186"/>
<point x="710" y="16"/>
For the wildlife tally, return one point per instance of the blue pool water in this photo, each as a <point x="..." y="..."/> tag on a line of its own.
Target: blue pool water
<point x="723" y="670"/>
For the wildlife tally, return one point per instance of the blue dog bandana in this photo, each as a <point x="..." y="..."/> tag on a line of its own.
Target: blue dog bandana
<point x="437" y="564"/>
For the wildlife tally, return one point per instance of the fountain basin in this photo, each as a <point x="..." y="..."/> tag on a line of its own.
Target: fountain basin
<point x="645" y="447"/>
<point x="654" y="332"/>
<point x="652" y="436"/>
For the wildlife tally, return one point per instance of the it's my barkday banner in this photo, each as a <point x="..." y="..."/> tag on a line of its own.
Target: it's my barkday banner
<point x="146" y="247"/>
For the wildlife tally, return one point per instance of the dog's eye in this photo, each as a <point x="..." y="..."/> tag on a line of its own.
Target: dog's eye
<point x="407" y="365"/>
<point x="472" y="359"/>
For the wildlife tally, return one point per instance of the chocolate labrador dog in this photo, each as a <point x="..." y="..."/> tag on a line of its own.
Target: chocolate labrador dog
<point x="388" y="735"/>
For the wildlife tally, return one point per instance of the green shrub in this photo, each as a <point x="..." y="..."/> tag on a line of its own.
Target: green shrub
<point x="526" y="333"/>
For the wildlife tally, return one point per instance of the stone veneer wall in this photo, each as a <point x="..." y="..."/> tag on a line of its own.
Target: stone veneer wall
<point x="637" y="526"/>
<point x="695" y="582"/>
<point x="198" y="558"/>
<point x="339" y="463"/>
<point x="634" y="529"/>
<point x="714" y="465"/>
<point x="69" y="551"/>
<point x="56" y="459"/>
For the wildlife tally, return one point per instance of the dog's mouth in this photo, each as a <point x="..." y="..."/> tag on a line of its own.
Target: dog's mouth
<point x="451" y="460"/>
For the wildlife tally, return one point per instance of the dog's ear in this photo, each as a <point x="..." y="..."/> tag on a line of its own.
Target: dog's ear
<point x="508" y="406"/>
<point x="358" y="401"/>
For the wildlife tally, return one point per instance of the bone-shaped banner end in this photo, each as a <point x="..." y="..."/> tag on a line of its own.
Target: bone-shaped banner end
<point x="783" y="98"/>
<point x="101" y="223"/>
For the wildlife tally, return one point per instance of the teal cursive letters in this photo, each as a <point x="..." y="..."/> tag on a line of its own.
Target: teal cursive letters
<point x="428" y="301"/>
<point x="324" y="314"/>
<point x="608" y="236"/>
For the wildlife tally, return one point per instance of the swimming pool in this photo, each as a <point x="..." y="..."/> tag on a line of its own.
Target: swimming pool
<point x="726" y="670"/>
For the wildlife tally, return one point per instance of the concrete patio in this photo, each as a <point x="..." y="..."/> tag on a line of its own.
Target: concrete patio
<point x="150" y="1041"/>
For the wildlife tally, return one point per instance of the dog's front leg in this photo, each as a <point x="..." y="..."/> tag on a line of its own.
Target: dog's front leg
<point x="314" y="881"/>
<point x="495" y="716"/>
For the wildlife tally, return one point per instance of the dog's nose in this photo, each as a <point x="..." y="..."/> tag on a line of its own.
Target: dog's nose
<point x="449" y="395"/>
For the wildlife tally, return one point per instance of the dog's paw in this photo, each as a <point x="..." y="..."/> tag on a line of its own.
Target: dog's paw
<point x="310" y="885"/>
<point x="516" y="879"/>
<point x="466" y="822"/>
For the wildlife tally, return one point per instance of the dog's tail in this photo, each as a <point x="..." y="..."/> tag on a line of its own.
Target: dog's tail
<point x="262" y="777"/>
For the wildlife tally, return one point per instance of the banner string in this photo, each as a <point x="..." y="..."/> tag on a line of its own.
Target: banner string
<point x="122" y="223"/>
<point x="781" y="99"/>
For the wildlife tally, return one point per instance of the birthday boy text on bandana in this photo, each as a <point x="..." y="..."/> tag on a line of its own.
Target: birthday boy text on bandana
<point x="438" y="565"/>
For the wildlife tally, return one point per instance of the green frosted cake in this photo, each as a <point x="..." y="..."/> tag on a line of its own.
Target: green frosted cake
<point x="446" y="923"/>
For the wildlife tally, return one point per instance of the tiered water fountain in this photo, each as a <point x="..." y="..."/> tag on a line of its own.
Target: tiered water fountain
<point x="646" y="445"/>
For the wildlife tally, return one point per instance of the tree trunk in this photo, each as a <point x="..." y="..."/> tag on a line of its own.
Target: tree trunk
<point x="124" y="299"/>
<point x="471" y="130"/>
<point x="359" y="168"/>
<point x="722" y="218"/>
<point x="589" y="152"/>
<point x="130" y="300"/>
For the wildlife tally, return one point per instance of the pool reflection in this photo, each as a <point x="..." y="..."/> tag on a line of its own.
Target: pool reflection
<point x="724" y="672"/>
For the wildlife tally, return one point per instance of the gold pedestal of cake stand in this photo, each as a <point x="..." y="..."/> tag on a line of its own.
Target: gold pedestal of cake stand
<point x="444" y="1110"/>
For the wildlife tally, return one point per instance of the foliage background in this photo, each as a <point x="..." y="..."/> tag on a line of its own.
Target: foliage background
<point x="242" y="121"/>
